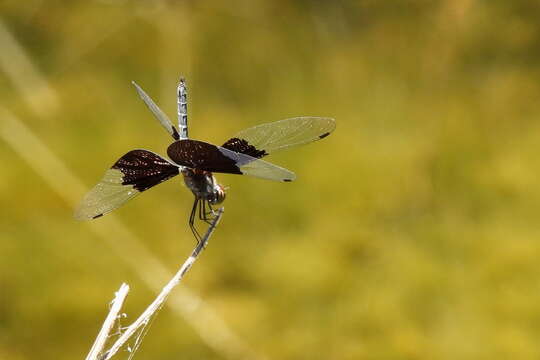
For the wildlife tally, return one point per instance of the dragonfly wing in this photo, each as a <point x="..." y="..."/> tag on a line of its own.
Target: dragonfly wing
<point x="261" y="140"/>
<point x="133" y="173"/>
<point x="265" y="170"/>
<point x="204" y="156"/>
<point x="158" y="113"/>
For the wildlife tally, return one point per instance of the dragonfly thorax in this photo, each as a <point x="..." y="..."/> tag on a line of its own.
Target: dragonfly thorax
<point x="203" y="185"/>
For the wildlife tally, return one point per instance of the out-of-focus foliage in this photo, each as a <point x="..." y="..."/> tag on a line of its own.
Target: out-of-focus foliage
<point x="412" y="232"/>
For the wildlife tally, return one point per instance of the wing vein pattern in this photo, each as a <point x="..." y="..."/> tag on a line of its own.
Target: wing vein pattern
<point x="261" y="140"/>
<point x="133" y="173"/>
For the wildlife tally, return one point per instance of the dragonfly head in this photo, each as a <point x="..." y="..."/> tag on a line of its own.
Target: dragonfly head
<point x="218" y="195"/>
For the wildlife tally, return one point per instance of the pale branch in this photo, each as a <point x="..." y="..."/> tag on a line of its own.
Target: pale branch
<point x="152" y="309"/>
<point x="110" y="320"/>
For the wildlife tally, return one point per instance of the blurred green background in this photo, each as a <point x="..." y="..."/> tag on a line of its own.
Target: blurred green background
<point x="412" y="232"/>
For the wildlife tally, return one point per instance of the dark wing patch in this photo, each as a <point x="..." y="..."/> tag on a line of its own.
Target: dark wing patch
<point x="136" y="171"/>
<point x="203" y="156"/>
<point x="243" y="147"/>
<point x="144" y="169"/>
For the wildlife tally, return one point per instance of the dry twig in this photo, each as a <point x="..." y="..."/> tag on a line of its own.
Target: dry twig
<point x="150" y="311"/>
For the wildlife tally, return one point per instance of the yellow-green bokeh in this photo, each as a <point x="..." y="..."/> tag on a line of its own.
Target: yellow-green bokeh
<point x="412" y="232"/>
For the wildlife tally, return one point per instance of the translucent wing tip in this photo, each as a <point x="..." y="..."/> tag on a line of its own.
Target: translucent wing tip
<point x="81" y="215"/>
<point x="328" y="122"/>
<point x="268" y="171"/>
<point x="77" y="215"/>
<point x="84" y="212"/>
<point x="290" y="178"/>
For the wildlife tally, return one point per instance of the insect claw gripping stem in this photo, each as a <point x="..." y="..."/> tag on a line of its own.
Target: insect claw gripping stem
<point x="212" y="212"/>
<point x="204" y="215"/>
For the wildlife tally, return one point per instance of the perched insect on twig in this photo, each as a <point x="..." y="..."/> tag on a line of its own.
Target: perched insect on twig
<point x="139" y="170"/>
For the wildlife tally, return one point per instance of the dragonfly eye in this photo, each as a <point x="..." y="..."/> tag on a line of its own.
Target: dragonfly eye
<point x="218" y="195"/>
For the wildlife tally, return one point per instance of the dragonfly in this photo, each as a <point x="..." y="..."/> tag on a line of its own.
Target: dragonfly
<point x="197" y="161"/>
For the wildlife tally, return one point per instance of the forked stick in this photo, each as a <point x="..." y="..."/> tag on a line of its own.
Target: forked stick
<point x="110" y="320"/>
<point x="96" y="352"/>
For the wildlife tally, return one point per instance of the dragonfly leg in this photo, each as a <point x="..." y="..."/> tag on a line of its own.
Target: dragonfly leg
<point x="204" y="215"/>
<point x="212" y="211"/>
<point x="192" y="220"/>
